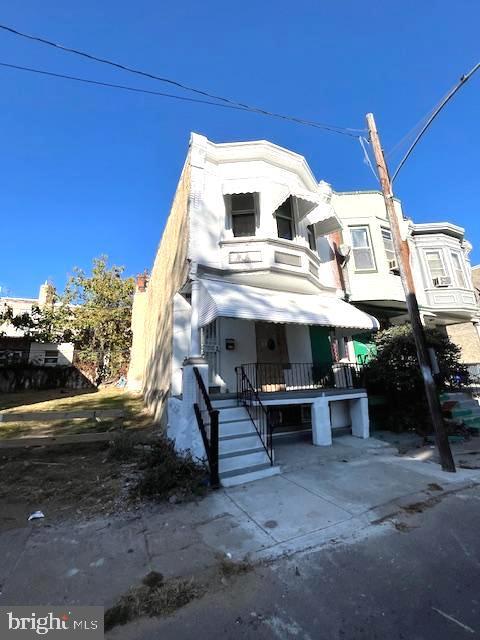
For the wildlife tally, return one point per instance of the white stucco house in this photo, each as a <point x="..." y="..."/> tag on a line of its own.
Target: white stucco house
<point x="262" y="300"/>
<point x="246" y="289"/>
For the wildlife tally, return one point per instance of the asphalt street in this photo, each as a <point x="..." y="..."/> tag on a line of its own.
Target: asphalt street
<point x="413" y="577"/>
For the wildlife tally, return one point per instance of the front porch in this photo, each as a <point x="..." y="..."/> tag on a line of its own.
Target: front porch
<point x="256" y="354"/>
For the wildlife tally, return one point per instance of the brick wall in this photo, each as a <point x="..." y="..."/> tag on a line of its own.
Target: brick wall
<point x="152" y="316"/>
<point x="465" y="336"/>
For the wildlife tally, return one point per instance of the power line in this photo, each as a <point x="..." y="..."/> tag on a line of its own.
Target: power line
<point x="334" y="129"/>
<point x="435" y="113"/>
<point x="118" y="86"/>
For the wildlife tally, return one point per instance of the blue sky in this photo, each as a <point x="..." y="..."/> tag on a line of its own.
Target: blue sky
<point x="86" y="170"/>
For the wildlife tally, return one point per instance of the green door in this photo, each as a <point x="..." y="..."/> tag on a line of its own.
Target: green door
<point x="320" y="342"/>
<point x="364" y="347"/>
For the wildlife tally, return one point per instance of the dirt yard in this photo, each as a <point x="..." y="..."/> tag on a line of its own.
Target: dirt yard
<point x="62" y="481"/>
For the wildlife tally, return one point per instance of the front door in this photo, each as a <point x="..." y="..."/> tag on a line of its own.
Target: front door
<point x="272" y="355"/>
<point x="321" y="355"/>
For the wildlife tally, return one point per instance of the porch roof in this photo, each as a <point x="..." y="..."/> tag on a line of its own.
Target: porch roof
<point x="219" y="298"/>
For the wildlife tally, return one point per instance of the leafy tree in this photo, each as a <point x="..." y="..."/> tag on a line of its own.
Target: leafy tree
<point x="94" y="313"/>
<point x="100" y="322"/>
<point x="395" y="374"/>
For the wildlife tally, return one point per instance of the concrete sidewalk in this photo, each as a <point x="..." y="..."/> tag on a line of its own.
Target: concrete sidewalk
<point x="321" y="497"/>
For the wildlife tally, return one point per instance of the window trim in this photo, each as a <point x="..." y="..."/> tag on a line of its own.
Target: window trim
<point x="310" y="230"/>
<point x="460" y="269"/>
<point x="446" y="273"/>
<point x="291" y="219"/>
<point x="241" y="212"/>
<point x="370" y="246"/>
<point x="389" y="231"/>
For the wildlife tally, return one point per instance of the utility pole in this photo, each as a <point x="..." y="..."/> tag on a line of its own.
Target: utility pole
<point x="403" y="258"/>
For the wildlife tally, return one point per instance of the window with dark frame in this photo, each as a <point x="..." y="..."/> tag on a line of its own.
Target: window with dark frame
<point x="243" y="212"/>
<point x="285" y="221"/>
<point x="312" y="242"/>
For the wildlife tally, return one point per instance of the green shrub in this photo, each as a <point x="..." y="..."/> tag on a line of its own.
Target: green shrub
<point x="395" y="374"/>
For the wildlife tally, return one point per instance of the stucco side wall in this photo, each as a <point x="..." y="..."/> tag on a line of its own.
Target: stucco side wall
<point x="465" y="336"/>
<point x="137" y="350"/>
<point x="169" y="273"/>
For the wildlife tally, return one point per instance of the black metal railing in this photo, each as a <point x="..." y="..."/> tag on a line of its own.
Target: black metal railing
<point x="207" y="420"/>
<point x="267" y="377"/>
<point x="248" y="397"/>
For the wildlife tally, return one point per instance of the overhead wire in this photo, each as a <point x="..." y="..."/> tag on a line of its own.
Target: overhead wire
<point x="320" y="125"/>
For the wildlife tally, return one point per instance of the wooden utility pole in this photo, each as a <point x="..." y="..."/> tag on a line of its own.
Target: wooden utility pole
<point x="403" y="259"/>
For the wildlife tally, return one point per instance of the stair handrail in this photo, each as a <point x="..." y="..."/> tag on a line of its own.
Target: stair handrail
<point x="248" y="396"/>
<point x="209" y="431"/>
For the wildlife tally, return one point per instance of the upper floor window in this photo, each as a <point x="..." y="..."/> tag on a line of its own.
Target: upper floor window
<point x="243" y="209"/>
<point x="312" y="242"/>
<point x="362" y="249"/>
<point x="436" y="266"/>
<point x="389" y="248"/>
<point x="285" y="221"/>
<point x="457" y="267"/>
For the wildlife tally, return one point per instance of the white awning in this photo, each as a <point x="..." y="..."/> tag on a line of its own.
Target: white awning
<point x="219" y="298"/>
<point x="243" y="185"/>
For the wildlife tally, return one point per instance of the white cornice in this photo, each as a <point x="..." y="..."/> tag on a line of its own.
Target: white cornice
<point x="262" y="150"/>
<point x="438" y="227"/>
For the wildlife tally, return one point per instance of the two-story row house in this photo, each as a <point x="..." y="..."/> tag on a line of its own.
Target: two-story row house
<point x="264" y="293"/>
<point x="439" y="257"/>
<point x="17" y="347"/>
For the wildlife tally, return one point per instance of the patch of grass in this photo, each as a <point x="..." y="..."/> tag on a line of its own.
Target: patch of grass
<point x="166" y="474"/>
<point x="159" y="600"/>
<point x="55" y="400"/>
<point x="229" y="568"/>
<point x="135" y="416"/>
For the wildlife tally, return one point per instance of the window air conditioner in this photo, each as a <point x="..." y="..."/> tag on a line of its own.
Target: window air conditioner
<point x="442" y="281"/>
<point x="393" y="266"/>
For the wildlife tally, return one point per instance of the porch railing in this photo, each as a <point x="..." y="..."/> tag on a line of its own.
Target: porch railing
<point x="207" y="420"/>
<point x="268" y="377"/>
<point x="248" y="397"/>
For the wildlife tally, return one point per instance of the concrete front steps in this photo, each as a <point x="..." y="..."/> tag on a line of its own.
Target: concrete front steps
<point x="242" y="456"/>
<point x="460" y="406"/>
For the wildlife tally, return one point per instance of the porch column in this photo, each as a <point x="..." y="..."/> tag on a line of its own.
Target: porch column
<point x="359" y="417"/>
<point x="195" y="329"/>
<point x="321" y="425"/>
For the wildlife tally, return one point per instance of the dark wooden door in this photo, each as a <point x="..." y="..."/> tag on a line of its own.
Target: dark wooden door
<point x="272" y="355"/>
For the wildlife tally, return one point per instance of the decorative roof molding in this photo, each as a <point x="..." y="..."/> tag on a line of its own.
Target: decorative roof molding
<point x="262" y="150"/>
<point x="446" y="228"/>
